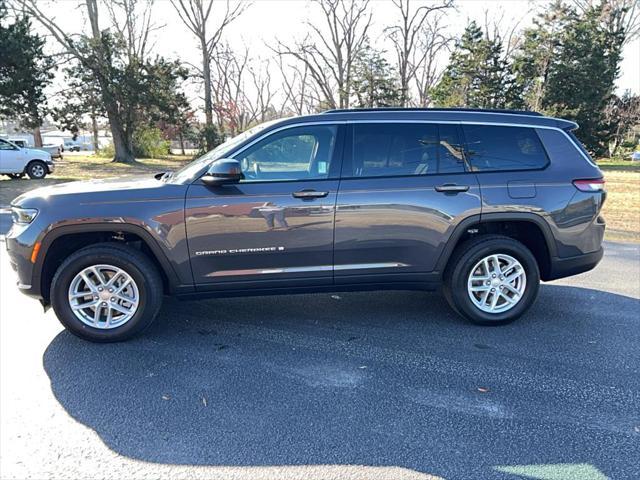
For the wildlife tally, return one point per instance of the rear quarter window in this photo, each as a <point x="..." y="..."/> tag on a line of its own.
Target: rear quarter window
<point x="562" y="150"/>
<point x="498" y="148"/>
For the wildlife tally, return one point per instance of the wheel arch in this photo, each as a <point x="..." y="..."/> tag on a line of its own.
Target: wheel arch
<point x="60" y="242"/>
<point x="528" y="228"/>
<point x="40" y="160"/>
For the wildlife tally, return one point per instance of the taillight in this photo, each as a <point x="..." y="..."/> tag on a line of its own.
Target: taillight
<point x="593" y="185"/>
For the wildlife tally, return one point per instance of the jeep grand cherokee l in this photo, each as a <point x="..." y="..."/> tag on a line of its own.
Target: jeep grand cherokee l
<point x="484" y="204"/>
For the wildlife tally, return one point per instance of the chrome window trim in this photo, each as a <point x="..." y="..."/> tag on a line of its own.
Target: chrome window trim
<point x="447" y="122"/>
<point x="470" y="122"/>
<point x="279" y="129"/>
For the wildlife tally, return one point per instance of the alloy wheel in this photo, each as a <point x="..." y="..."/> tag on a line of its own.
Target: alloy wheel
<point x="497" y="283"/>
<point x="103" y="296"/>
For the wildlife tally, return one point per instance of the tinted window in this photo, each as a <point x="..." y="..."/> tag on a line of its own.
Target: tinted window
<point x="579" y="144"/>
<point x="503" y="148"/>
<point x="293" y="154"/>
<point x="389" y="149"/>
<point x="6" y="145"/>
<point x="450" y="150"/>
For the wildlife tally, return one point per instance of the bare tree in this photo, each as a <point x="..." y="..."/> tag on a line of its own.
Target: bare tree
<point x="622" y="114"/>
<point x="405" y="38"/>
<point x="262" y="106"/>
<point x="510" y="37"/>
<point x="329" y="53"/>
<point x="619" y="14"/>
<point x="433" y="42"/>
<point x="241" y="88"/>
<point x="132" y="20"/>
<point x="196" y="16"/>
<point x="298" y="96"/>
<point x="92" y="53"/>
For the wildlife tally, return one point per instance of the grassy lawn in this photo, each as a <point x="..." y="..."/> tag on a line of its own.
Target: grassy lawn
<point x="621" y="210"/>
<point x="82" y="167"/>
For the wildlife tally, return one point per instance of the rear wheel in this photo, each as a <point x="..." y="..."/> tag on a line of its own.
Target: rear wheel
<point x="36" y="170"/>
<point x="106" y="292"/>
<point x="492" y="280"/>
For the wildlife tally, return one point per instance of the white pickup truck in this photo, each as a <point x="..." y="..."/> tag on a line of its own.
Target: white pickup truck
<point x="54" y="150"/>
<point x="16" y="161"/>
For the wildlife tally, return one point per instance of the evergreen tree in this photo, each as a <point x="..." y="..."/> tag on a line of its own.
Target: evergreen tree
<point x="25" y="71"/>
<point x="374" y="80"/>
<point x="476" y="76"/>
<point x="568" y="65"/>
<point x="79" y="105"/>
<point x="540" y="48"/>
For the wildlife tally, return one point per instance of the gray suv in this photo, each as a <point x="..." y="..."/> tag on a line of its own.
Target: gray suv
<point x="483" y="204"/>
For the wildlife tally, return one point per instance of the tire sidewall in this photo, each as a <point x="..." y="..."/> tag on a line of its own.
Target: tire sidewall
<point x="460" y="295"/>
<point x="34" y="164"/>
<point x="60" y="302"/>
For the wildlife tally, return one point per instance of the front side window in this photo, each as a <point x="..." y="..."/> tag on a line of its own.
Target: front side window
<point x="495" y="148"/>
<point x="397" y="149"/>
<point x="6" y="145"/>
<point x="299" y="153"/>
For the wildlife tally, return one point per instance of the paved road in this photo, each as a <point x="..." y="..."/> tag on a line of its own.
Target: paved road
<point x="356" y="386"/>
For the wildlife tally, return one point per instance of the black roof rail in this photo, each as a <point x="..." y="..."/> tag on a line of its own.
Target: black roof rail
<point x="415" y="109"/>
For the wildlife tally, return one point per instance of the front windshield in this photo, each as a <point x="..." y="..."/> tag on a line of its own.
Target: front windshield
<point x="189" y="170"/>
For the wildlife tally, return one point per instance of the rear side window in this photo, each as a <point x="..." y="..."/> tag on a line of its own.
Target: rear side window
<point x="396" y="149"/>
<point x="495" y="148"/>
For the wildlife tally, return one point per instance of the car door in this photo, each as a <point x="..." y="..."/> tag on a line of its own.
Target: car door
<point x="404" y="189"/>
<point x="275" y="227"/>
<point x="11" y="158"/>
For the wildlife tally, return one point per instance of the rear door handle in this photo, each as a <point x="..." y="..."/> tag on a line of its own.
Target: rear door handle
<point x="309" y="194"/>
<point x="452" y="188"/>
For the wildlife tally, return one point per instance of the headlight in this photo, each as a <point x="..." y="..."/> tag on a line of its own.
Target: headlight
<point x="23" y="216"/>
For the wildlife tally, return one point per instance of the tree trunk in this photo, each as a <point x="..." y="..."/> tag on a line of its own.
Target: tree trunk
<point x="121" y="144"/>
<point x="121" y="140"/>
<point x="181" y="138"/>
<point x="37" y="137"/>
<point x="94" y="130"/>
<point x="208" y="104"/>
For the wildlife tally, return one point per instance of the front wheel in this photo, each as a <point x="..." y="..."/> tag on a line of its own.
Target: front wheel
<point x="106" y="292"/>
<point x="36" y="170"/>
<point x="492" y="280"/>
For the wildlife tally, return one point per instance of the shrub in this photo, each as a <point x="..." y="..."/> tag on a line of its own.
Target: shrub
<point x="108" y="151"/>
<point x="149" y="143"/>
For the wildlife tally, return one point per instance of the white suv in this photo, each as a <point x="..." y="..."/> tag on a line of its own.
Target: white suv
<point x="16" y="161"/>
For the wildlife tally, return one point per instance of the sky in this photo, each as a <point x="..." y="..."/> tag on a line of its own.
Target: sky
<point x="267" y="20"/>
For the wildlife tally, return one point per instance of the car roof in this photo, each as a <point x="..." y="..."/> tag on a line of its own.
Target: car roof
<point x="472" y="115"/>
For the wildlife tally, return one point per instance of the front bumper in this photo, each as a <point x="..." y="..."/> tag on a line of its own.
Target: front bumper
<point x="51" y="166"/>
<point x="565" y="267"/>
<point x="19" y="247"/>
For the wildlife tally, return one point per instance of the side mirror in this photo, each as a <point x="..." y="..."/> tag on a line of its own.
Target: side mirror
<point x="224" y="170"/>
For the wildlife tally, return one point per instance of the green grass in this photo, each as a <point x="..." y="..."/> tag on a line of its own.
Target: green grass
<point x="87" y="167"/>
<point x="619" y="164"/>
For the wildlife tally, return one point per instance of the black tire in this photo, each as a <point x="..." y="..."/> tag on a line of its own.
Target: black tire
<point x="466" y="256"/>
<point x="36" y="170"/>
<point x="135" y="263"/>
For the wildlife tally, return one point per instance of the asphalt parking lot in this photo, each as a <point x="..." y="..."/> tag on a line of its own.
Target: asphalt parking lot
<point x="382" y="385"/>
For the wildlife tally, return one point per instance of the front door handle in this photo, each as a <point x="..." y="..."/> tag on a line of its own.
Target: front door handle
<point x="309" y="194"/>
<point x="452" y="188"/>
